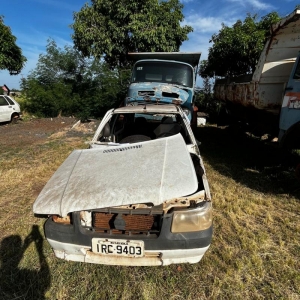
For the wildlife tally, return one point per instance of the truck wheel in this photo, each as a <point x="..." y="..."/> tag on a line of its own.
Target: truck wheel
<point x="223" y="117"/>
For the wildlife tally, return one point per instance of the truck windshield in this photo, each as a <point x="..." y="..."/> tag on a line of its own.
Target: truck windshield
<point x="166" y="72"/>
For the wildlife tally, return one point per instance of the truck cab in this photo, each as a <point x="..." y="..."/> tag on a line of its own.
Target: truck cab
<point x="164" y="78"/>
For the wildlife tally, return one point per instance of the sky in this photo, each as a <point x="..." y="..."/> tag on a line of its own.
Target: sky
<point x="33" y="22"/>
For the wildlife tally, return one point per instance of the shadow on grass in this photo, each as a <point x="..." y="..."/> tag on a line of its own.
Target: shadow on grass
<point x="18" y="283"/>
<point x="258" y="164"/>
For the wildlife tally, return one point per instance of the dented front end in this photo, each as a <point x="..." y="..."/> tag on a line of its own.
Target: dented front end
<point x="177" y="231"/>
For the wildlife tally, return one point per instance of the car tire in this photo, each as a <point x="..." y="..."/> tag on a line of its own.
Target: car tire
<point x="14" y="118"/>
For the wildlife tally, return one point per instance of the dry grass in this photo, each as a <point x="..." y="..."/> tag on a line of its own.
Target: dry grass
<point x="255" y="249"/>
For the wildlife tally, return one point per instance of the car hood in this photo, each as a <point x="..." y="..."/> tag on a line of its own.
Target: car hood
<point x="147" y="172"/>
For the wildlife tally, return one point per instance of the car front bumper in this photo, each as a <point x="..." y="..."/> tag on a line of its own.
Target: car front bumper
<point x="151" y="258"/>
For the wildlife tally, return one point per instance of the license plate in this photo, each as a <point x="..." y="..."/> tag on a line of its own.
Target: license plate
<point x="115" y="247"/>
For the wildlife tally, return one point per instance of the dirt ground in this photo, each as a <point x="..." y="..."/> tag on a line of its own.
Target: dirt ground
<point x="25" y="133"/>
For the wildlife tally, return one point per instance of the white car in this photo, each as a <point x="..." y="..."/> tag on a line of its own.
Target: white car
<point x="138" y="197"/>
<point x="9" y="109"/>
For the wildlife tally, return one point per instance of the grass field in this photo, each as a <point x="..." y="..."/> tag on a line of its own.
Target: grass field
<point x="254" y="253"/>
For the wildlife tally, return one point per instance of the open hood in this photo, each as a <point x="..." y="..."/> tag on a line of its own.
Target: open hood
<point x="148" y="172"/>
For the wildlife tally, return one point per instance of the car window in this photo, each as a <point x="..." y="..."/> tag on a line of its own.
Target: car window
<point x="125" y="127"/>
<point x="3" y="102"/>
<point x="9" y="100"/>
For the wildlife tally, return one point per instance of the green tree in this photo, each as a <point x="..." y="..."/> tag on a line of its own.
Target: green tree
<point x="11" y="57"/>
<point x="205" y="101"/>
<point x="64" y="82"/>
<point x="112" y="28"/>
<point x="236" y="49"/>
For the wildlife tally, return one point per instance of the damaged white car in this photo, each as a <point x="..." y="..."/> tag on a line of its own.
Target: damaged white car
<point x="138" y="197"/>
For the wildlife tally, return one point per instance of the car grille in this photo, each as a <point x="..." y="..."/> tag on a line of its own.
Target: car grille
<point x="128" y="224"/>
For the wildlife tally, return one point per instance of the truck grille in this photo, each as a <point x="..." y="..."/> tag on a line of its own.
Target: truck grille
<point x="170" y="95"/>
<point x="146" y="93"/>
<point x="118" y="223"/>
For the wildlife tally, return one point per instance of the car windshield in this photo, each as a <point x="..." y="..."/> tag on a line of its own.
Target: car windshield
<point x="137" y="127"/>
<point x="166" y="72"/>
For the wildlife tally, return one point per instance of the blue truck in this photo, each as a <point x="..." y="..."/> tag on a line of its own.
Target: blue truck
<point x="164" y="78"/>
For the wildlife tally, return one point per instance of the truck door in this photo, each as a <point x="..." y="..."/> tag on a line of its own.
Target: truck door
<point x="290" y="110"/>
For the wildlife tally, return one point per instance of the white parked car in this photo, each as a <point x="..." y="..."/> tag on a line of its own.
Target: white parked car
<point x="9" y="109"/>
<point x="138" y="197"/>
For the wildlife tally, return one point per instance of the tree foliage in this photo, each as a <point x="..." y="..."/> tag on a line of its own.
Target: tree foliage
<point x="11" y="57"/>
<point x="115" y="27"/>
<point x="64" y="82"/>
<point x="236" y="49"/>
<point x="205" y="101"/>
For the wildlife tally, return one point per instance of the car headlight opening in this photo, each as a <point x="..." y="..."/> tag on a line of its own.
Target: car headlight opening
<point x="192" y="220"/>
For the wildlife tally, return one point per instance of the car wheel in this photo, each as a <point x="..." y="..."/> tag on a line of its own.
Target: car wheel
<point x="14" y="118"/>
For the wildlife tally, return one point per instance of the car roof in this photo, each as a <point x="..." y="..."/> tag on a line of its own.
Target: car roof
<point x="148" y="108"/>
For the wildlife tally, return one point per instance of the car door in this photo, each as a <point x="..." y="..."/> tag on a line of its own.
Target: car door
<point x="100" y="128"/>
<point x="5" y="110"/>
